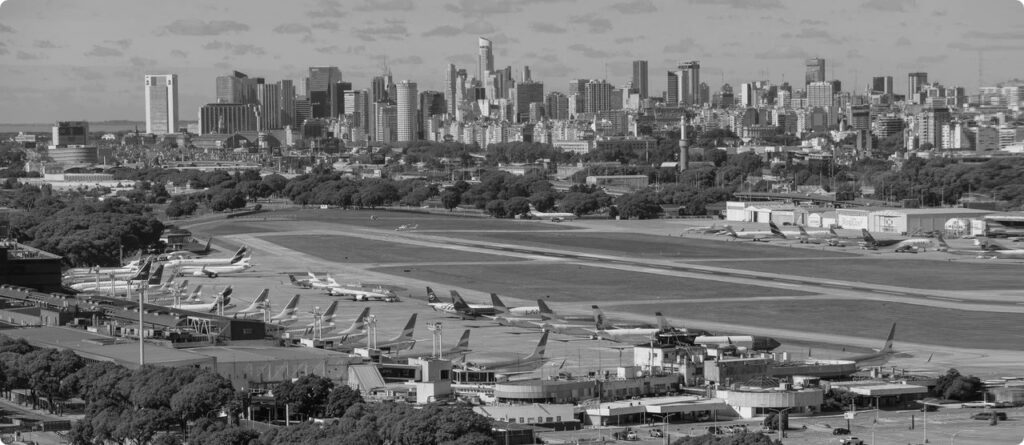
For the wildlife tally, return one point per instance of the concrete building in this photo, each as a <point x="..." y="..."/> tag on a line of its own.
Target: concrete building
<point x="631" y="182"/>
<point x="70" y="133"/>
<point x="385" y="122"/>
<point x="268" y="96"/>
<point x="161" y="103"/>
<point x="598" y="96"/>
<point x="485" y="58"/>
<point x="915" y="82"/>
<point x="524" y="94"/>
<point x="321" y="78"/>
<point x="689" y="93"/>
<point x="556" y="105"/>
<point x="815" y="71"/>
<point x="407" y="101"/>
<point x="753" y="402"/>
<point x="929" y="125"/>
<point x="640" y="77"/>
<point x="228" y="118"/>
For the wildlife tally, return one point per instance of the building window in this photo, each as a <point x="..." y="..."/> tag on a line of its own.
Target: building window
<point x="247" y="331"/>
<point x="558" y="418"/>
<point x="444" y="374"/>
<point x="522" y="420"/>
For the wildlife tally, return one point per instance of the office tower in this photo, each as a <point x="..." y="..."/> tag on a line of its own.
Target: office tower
<point x="379" y="89"/>
<point x="640" y="78"/>
<point x="915" y="82"/>
<point x="524" y="94"/>
<point x="67" y="133"/>
<point x="672" y="89"/>
<point x="450" y="81"/>
<point x="930" y="122"/>
<point x="337" y="94"/>
<point x="526" y="75"/>
<point x="287" y="102"/>
<point x="860" y="117"/>
<point x="161" y="103"/>
<point x="357" y="105"/>
<point x="485" y="58"/>
<point x="321" y="78"/>
<point x="228" y="118"/>
<point x="556" y="105"/>
<point x="703" y="94"/>
<point x="236" y="88"/>
<point x="819" y="94"/>
<point x="432" y="103"/>
<point x="815" y="70"/>
<point x="407" y="101"/>
<point x="577" y="93"/>
<point x="302" y="110"/>
<point x="390" y="87"/>
<point x="268" y="96"/>
<point x="689" y="92"/>
<point x="598" y="95"/>
<point x="747" y="98"/>
<point x="386" y="117"/>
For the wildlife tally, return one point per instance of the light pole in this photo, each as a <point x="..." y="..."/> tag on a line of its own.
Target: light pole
<point x="924" y="419"/>
<point x="371" y="332"/>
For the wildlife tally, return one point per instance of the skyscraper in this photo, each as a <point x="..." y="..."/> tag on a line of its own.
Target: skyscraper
<point x="640" y="78"/>
<point x="384" y="122"/>
<point x="577" y="93"/>
<point x="527" y="77"/>
<point x="287" y="90"/>
<point x="228" y="118"/>
<point x="819" y="94"/>
<point x="236" y="88"/>
<point x="321" y="78"/>
<point x="268" y="96"/>
<point x="556" y="105"/>
<point x="161" y="103"/>
<point x="485" y="58"/>
<point x="378" y="89"/>
<point x="450" y="81"/>
<point x="407" y="99"/>
<point x="915" y="82"/>
<point x="672" y="88"/>
<point x="930" y="123"/>
<point x="746" y="94"/>
<point x="524" y="94"/>
<point x="689" y="93"/>
<point x="432" y="103"/>
<point x="337" y="97"/>
<point x="598" y="96"/>
<point x="815" y="70"/>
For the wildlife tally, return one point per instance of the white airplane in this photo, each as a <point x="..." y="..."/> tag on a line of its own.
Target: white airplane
<point x="759" y="235"/>
<point x="513" y="363"/>
<point x="706" y="230"/>
<point x="355" y="333"/>
<point x="738" y="343"/>
<point x="215" y="271"/>
<point x="142" y="279"/>
<point x="316" y="282"/>
<point x="359" y="294"/>
<point x="553" y="216"/>
<point x="519" y="311"/>
<point x="258" y="308"/>
<point x="912" y="245"/>
<point x="287" y="316"/>
<point x="880" y="356"/>
<point x="237" y="257"/>
<point x="221" y="300"/>
<point x="403" y="341"/>
<point x="604" y="331"/>
<point x="829" y="237"/>
<point x="404" y="227"/>
<point x="460" y="349"/>
<point x="462" y="309"/>
<point x="326" y="322"/>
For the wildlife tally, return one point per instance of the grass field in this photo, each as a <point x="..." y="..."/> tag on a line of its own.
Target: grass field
<point x="570" y="283"/>
<point x="866" y="319"/>
<point x="922" y="274"/>
<point x="351" y="249"/>
<point x="650" y="246"/>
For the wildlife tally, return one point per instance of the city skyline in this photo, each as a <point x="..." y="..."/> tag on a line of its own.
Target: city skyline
<point x="94" y="67"/>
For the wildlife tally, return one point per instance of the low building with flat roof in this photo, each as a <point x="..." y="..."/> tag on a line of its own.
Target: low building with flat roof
<point x="102" y="348"/>
<point x="640" y="410"/>
<point x="262" y="367"/>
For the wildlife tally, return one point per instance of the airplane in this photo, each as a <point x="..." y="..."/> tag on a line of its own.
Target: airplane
<point x="625" y="324"/>
<point x="355" y="332"/>
<point x="221" y="300"/>
<point x="407" y="227"/>
<point x="774" y="232"/>
<point x="460" y="349"/>
<point x="378" y="293"/>
<point x="829" y="237"/>
<point x="511" y="365"/>
<point x="326" y="322"/>
<point x="402" y="341"/>
<point x="136" y="282"/>
<point x="880" y="356"/>
<point x="301" y="284"/>
<point x="316" y="282"/>
<point x="287" y="316"/>
<point x="215" y="271"/>
<point x="913" y="245"/>
<point x="258" y="307"/>
<point x="738" y="343"/>
<point x="520" y="311"/>
<point x="461" y="310"/>
<point x="707" y="230"/>
<point x="604" y="331"/>
<point x="987" y="249"/>
<point x="553" y="216"/>
<point x="547" y="314"/>
<point x="239" y="255"/>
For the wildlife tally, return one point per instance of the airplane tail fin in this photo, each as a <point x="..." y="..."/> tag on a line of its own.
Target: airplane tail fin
<point x="157" y="276"/>
<point x="499" y="307"/>
<point x="239" y="254"/>
<point x="260" y="302"/>
<point x="803" y="232"/>
<point x="182" y="286"/>
<point x="328" y="315"/>
<point x="458" y="302"/>
<point x="197" y="293"/>
<point x="143" y="273"/>
<point x="292" y="279"/>
<point x="541" y="347"/>
<point x="729" y="231"/>
<point x="545" y="311"/>
<point x="941" y="241"/>
<point x="206" y="249"/>
<point x="662" y="321"/>
<point x="463" y="341"/>
<point x="867" y="236"/>
<point x="431" y="296"/>
<point x="289" y="308"/>
<point x="888" y="341"/>
<point x="407" y="331"/>
<point x="360" y="321"/>
<point x="775" y="229"/>
<point x="598" y="317"/>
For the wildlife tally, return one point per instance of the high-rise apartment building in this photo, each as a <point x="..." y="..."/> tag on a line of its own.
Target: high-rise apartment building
<point x="672" y="88"/>
<point x="819" y="94"/>
<point x="379" y="89"/>
<point x="689" y="92"/>
<point x="598" y="96"/>
<point x="640" y="77"/>
<point x="815" y="70"/>
<point x="337" y="94"/>
<point x="67" y="133"/>
<point x="451" y="77"/>
<point x="915" y="82"/>
<point x="485" y="58"/>
<point x="524" y="94"/>
<point x="527" y="76"/>
<point x="321" y="80"/>
<point x="556" y="105"/>
<point x="577" y="93"/>
<point x="386" y="122"/>
<point x="357" y="105"/>
<point x="161" y="103"/>
<point x="930" y="123"/>
<point x="408" y="96"/>
<point x="747" y="98"/>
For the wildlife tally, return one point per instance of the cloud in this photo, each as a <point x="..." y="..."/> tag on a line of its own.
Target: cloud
<point x="179" y="53"/>
<point x="443" y="31"/>
<point x="3" y="49"/>
<point x="43" y="44"/>
<point x="589" y="51"/>
<point x="475" y="27"/>
<point x="103" y="51"/>
<point x="480" y="8"/>
<point x="903" y="41"/>
<point x="5" y="28"/>
<point x="626" y="40"/>
<point x="327" y="8"/>
<point x="385" y="5"/>
<point x="292" y="28"/>
<point x="929" y="60"/>
<point x="967" y="46"/>
<point x="389" y="30"/>
<point x="786" y="52"/>
<point x="890" y="5"/>
<point x="22" y="55"/>
<point x="817" y="34"/>
<point x="330" y="26"/>
<point x="741" y="4"/>
<point x="335" y="49"/>
<point x="594" y="23"/>
<point x="681" y="46"/>
<point x="222" y="66"/>
<point x="87" y="74"/>
<point x="123" y="43"/>
<point x="1001" y="35"/>
<point x="547" y="28"/>
<point x="142" y="62"/>
<point x="635" y="7"/>
<point x="462" y="59"/>
<point x="408" y="60"/>
<point x="241" y="49"/>
<point x="557" y="69"/>
<point x="812" y="22"/>
<point x="853" y="54"/>
<point x="202" y="28"/>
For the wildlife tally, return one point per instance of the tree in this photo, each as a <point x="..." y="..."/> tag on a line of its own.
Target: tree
<point x="496" y="208"/>
<point x="956" y="386"/>
<point x="517" y="206"/>
<point x="543" y="201"/>
<point x="340" y="400"/>
<point x="450" y="198"/>
<point x="639" y="205"/>
<point x="307" y="395"/>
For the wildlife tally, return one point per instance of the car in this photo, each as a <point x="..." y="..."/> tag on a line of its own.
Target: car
<point x="713" y="430"/>
<point x="851" y="441"/>
<point x="987" y="415"/>
<point x="840" y="432"/>
<point x="656" y="432"/>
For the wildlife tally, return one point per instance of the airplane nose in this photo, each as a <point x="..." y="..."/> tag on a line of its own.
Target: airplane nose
<point x="771" y="343"/>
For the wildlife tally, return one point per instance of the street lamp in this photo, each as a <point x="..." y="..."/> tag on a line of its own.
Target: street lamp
<point x="924" y="420"/>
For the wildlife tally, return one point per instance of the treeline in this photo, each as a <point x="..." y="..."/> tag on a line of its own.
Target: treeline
<point x="944" y="181"/>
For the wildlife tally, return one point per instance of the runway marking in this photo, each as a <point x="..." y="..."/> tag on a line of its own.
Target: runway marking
<point x="948" y="299"/>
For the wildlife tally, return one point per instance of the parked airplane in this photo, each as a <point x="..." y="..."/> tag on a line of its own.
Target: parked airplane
<point x="258" y="308"/>
<point x="215" y="271"/>
<point x="402" y="341"/>
<point x="358" y="294"/>
<point x="460" y="349"/>
<point x="553" y="216"/>
<point x="758" y="235"/>
<point x="604" y="331"/>
<point x="514" y="364"/>
<point x="236" y="258"/>
<point x="221" y="300"/>
<point x="463" y="309"/>
<point x="519" y="311"/>
<point x="302" y="284"/>
<point x="899" y="245"/>
<point x="829" y="237"/>
<point x="355" y="333"/>
<point x="326" y="322"/>
<point x="136" y="282"/>
<point x="547" y="314"/>
<point x="986" y="249"/>
<point x="287" y="316"/>
<point x="707" y="230"/>
<point x="599" y="317"/>
<point x="880" y="356"/>
<point x="740" y="343"/>
<point x="407" y="227"/>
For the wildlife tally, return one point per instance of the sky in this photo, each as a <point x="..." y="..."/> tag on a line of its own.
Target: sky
<point x="74" y="59"/>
